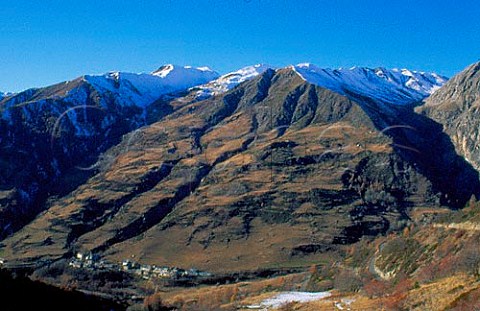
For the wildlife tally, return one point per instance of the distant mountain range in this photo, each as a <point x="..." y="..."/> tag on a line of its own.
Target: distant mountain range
<point x="259" y="168"/>
<point x="378" y="82"/>
<point x="49" y="131"/>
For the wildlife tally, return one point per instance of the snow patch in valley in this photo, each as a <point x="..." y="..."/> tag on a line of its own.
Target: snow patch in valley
<point x="286" y="297"/>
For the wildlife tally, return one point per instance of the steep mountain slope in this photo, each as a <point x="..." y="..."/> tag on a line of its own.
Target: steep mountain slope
<point x="457" y="106"/>
<point x="399" y="87"/>
<point x="275" y="172"/>
<point x="51" y="136"/>
<point x="388" y="96"/>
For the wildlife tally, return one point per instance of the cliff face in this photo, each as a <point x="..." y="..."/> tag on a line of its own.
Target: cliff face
<point x="457" y="107"/>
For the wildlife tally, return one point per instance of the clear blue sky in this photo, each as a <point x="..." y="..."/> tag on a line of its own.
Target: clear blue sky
<point x="43" y="42"/>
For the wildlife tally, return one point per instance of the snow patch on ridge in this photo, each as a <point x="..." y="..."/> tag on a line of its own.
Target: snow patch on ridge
<point x="185" y="77"/>
<point x="396" y="86"/>
<point x="230" y="80"/>
<point x="5" y="94"/>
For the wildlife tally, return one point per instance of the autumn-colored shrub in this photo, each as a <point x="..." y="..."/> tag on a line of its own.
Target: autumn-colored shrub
<point x="402" y="285"/>
<point x="375" y="288"/>
<point x="394" y="302"/>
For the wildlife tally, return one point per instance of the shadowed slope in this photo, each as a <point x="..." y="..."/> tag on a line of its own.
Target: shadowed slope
<point x="456" y="107"/>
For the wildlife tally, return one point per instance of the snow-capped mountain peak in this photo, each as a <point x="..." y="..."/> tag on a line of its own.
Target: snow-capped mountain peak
<point x="189" y="73"/>
<point x="164" y="70"/>
<point x="142" y="89"/>
<point x="230" y="80"/>
<point x="395" y="86"/>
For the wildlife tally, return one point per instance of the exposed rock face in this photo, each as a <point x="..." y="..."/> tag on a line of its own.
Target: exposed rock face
<point x="274" y="171"/>
<point x="457" y="107"/>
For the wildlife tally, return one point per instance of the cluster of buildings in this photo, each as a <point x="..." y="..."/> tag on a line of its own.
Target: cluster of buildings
<point x="149" y="271"/>
<point x="92" y="261"/>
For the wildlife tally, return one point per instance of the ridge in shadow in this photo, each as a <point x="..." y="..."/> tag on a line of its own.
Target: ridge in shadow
<point x="421" y="142"/>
